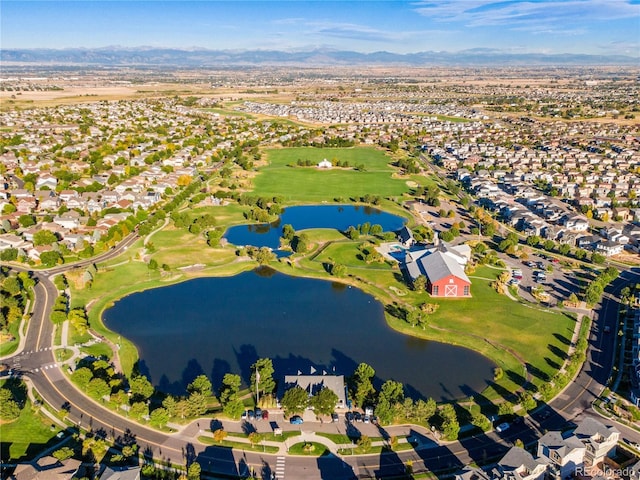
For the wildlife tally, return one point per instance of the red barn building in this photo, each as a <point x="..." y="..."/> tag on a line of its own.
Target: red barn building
<point x="445" y="276"/>
<point x="443" y="267"/>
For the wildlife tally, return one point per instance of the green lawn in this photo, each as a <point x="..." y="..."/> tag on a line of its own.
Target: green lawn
<point x="26" y="436"/>
<point x="314" y="449"/>
<point x="347" y="253"/>
<point x="98" y="350"/>
<point x="308" y="184"/>
<point x="238" y="445"/>
<point x="179" y="248"/>
<point x="11" y="346"/>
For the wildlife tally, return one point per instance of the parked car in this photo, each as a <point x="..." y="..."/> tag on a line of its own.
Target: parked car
<point x="258" y="414"/>
<point x="251" y="415"/>
<point x="244" y="415"/>
<point x="296" y="420"/>
<point x="349" y="416"/>
<point x="358" y="416"/>
<point x="334" y="417"/>
<point x="265" y="415"/>
<point x="502" y="427"/>
<point x="367" y="419"/>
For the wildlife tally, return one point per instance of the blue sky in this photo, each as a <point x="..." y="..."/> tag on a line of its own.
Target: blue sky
<point x="515" y="26"/>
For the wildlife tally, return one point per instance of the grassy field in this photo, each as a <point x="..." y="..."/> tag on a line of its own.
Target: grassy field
<point x="8" y="347"/>
<point x="179" y="248"/>
<point x="238" y="445"/>
<point x="347" y="253"/>
<point x="26" y="436"/>
<point x="308" y="184"/>
<point x="312" y="449"/>
<point x="227" y="112"/>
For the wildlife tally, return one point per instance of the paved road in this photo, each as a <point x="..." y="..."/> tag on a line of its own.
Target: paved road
<point x="37" y="361"/>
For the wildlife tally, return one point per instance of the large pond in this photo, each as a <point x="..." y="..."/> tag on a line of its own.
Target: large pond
<point x="219" y="325"/>
<point x="340" y="217"/>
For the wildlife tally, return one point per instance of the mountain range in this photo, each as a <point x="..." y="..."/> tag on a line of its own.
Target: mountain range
<point x="197" y="57"/>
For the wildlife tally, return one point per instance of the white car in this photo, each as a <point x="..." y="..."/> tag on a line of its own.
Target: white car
<point x="502" y="427"/>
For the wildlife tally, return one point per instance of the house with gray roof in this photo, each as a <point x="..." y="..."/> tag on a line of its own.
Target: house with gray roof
<point x="314" y="383"/>
<point x="518" y="464"/>
<point x="565" y="453"/>
<point x="600" y="440"/>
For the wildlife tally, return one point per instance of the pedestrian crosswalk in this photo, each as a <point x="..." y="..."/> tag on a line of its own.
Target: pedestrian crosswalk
<point x="279" y="473"/>
<point x="47" y="367"/>
<point x="29" y="352"/>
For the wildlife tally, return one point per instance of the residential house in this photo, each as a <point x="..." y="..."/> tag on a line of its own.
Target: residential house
<point x="577" y="224"/>
<point x="70" y="222"/>
<point x="518" y="464"/>
<point x="472" y="473"/>
<point x="120" y="473"/>
<point x="48" y="181"/>
<point x="405" y="237"/>
<point x="600" y="440"/>
<point x="564" y="453"/>
<point x="26" y="205"/>
<point x="609" y="248"/>
<point x="9" y="240"/>
<point x="66" y="195"/>
<point x="587" y="241"/>
<point x="621" y="214"/>
<point x="47" y="468"/>
<point x="47" y="200"/>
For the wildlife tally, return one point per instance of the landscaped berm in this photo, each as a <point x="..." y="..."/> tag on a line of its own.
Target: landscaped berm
<point x="282" y="176"/>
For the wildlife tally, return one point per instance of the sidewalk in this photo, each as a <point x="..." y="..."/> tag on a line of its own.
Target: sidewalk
<point x="195" y="429"/>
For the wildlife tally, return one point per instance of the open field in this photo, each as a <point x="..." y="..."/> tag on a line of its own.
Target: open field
<point x="347" y="253"/>
<point x="27" y="436"/>
<point x="309" y="184"/>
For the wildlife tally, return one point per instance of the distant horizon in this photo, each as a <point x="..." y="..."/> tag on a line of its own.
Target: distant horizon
<point x="195" y="48"/>
<point x="548" y="27"/>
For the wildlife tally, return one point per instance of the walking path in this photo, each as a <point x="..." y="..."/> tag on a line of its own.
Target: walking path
<point x="403" y="432"/>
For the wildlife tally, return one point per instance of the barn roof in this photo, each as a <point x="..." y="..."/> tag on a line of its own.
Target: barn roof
<point x="439" y="265"/>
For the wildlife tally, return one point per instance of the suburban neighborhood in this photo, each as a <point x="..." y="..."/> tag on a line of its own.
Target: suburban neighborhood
<point x="211" y="273"/>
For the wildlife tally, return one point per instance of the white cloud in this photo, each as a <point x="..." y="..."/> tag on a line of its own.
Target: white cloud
<point x="517" y="13"/>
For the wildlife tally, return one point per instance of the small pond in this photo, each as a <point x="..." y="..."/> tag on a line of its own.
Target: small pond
<point x="340" y="217"/>
<point x="219" y="325"/>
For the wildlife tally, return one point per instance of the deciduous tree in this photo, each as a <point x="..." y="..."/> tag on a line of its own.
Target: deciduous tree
<point x="294" y="400"/>
<point x="324" y="402"/>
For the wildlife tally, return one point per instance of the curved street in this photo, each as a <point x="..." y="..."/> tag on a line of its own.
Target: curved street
<point x="36" y="361"/>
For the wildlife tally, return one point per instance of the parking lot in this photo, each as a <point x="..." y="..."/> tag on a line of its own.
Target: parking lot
<point x="347" y="423"/>
<point x="541" y="270"/>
